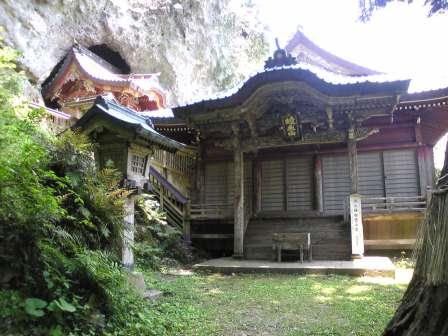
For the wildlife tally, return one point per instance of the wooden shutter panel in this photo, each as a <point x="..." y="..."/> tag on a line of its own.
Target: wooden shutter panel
<point x="230" y="182"/>
<point x="248" y="184"/>
<point x="401" y="174"/>
<point x="272" y="185"/>
<point x="216" y="183"/>
<point x="336" y="182"/>
<point x="370" y="174"/>
<point x="299" y="183"/>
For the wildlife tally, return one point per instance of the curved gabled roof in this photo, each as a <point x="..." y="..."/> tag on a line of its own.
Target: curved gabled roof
<point x="327" y="83"/>
<point x="129" y="119"/>
<point x="101" y="72"/>
<point x="306" y="51"/>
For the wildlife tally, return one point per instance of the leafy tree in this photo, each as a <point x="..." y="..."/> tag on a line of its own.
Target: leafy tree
<point x="369" y="6"/>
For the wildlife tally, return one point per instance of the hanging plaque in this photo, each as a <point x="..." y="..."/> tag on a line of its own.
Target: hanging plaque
<point x="290" y="126"/>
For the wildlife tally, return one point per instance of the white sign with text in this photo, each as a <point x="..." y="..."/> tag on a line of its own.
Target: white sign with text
<point x="356" y="225"/>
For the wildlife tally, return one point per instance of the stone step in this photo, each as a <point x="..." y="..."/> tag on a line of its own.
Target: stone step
<point x="267" y="253"/>
<point x="330" y="236"/>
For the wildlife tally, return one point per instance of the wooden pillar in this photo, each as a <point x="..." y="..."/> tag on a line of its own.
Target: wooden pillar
<point x="187" y="223"/>
<point x="200" y="175"/>
<point x="238" y="238"/>
<point x="353" y="161"/>
<point x="257" y="185"/>
<point x="425" y="162"/>
<point x="355" y="205"/>
<point x="430" y="166"/>
<point x="127" y="255"/>
<point x="161" y="197"/>
<point x="318" y="184"/>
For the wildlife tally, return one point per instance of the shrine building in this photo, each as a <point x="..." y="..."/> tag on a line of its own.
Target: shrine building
<point x="310" y="144"/>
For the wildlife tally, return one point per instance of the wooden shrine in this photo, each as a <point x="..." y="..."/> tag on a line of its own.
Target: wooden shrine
<point x="82" y="75"/>
<point x="311" y="144"/>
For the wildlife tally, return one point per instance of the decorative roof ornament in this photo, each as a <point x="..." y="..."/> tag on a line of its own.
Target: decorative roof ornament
<point x="280" y="58"/>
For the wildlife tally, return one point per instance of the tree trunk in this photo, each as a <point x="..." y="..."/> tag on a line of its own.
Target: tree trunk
<point x="424" y="307"/>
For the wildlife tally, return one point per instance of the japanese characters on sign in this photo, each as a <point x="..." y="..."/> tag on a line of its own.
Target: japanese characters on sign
<point x="290" y="126"/>
<point x="356" y="224"/>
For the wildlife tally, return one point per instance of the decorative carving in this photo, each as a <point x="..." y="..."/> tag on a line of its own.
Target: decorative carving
<point x="252" y="122"/>
<point x="280" y="58"/>
<point x="309" y="137"/>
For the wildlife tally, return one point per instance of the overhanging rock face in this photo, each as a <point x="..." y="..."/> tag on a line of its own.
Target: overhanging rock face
<point x="152" y="36"/>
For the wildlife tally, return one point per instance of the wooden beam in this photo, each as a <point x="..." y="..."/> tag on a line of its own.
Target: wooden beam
<point x="187" y="223"/>
<point x="353" y="161"/>
<point x="238" y="240"/>
<point x="318" y="184"/>
<point x="212" y="236"/>
<point x="310" y="138"/>
<point x="257" y="185"/>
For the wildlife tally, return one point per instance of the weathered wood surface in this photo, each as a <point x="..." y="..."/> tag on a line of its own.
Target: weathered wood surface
<point x="353" y="166"/>
<point x="292" y="241"/>
<point x="318" y="184"/>
<point x="385" y="231"/>
<point x="238" y="205"/>
<point x="336" y="182"/>
<point x="329" y="236"/>
<point x="389" y="244"/>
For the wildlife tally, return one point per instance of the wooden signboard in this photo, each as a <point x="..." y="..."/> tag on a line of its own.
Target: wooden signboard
<point x="357" y="234"/>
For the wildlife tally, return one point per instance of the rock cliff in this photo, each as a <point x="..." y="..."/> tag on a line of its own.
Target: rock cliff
<point x="198" y="46"/>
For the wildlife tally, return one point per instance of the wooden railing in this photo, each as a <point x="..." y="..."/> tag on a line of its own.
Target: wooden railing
<point x="181" y="162"/>
<point x="211" y="211"/>
<point x="175" y="205"/>
<point x="247" y="214"/>
<point x="396" y="203"/>
<point x="57" y="121"/>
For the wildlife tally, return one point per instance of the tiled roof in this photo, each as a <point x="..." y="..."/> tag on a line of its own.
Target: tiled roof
<point x="103" y="72"/>
<point x="327" y="82"/>
<point x="307" y="52"/>
<point x="105" y="105"/>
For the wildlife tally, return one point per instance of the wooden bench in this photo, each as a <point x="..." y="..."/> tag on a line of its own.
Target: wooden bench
<point x="292" y="241"/>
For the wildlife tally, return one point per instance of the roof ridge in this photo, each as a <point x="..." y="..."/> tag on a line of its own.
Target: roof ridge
<point x="108" y="100"/>
<point x="300" y="38"/>
<point x="96" y="58"/>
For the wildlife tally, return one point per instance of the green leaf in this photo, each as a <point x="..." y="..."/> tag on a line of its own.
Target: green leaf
<point x="56" y="331"/>
<point x="85" y="212"/>
<point x="62" y="305"/>
<point x="34" y="307"/>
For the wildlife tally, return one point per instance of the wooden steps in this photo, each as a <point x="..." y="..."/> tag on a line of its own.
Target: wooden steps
<point x="329" y="235"/>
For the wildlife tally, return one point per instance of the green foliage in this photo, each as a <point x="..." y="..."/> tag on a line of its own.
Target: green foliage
<point x="156" y="242"/>
<point x="367" y="7"/>
<point x="35" y="307"/>
<point x="60" y="232"/>
<point x="55" y="208"/>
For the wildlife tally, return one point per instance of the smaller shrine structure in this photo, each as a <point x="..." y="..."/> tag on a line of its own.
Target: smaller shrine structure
<point x="82" y="75"/>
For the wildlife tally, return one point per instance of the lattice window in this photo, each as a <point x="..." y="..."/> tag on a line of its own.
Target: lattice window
<point x="138" y="164"/>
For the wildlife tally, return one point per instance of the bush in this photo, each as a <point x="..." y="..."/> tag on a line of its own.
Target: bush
<point x="157" y="243"/>
<point x="55" y="208"/>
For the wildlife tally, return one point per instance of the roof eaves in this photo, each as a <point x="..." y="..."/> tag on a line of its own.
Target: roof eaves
<point x="294" y="72"/>
<point x="301" y="38"/>
<point x="132" y="119"/>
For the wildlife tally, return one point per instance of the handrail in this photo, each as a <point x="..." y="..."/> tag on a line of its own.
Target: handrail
<point x="206" y="210"/>
<point x="175" y="215"/>
<point x="389" y="203"/>
<point x="167" y="185"/>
